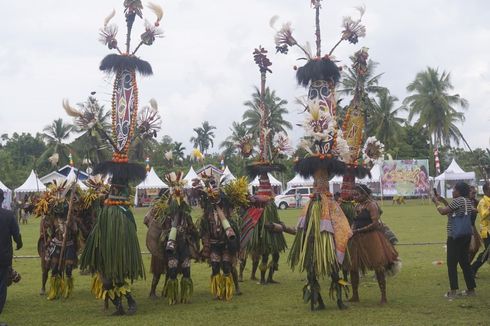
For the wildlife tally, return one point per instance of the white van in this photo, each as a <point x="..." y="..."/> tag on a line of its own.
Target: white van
<point x="288" y="197"/>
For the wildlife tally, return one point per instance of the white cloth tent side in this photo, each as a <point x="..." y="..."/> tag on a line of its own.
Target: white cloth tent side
<point x="7" y="194"/>
<point x="274" y="182"/>
<point x="189" y="177"/>
<point x="152" y="181"/>
<point x="299" y="181"/>
<point x="335" y="183"/>
<point x="228" y="175"/>
<point x="72" y="176"/>
<point x="450" y="176"/>
<point x="32" y="184"/>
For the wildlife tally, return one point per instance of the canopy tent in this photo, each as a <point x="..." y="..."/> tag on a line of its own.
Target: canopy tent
<point x="62" y="174"/>
<point x="210" y="170"/>
<point x="228" y="175"/>
<point x="151" y="182"/>
<point x="454" y="173"/>
<point x="299" y="181"/>
<point x="72" y="176"/>
<point x="274" y="183"/>
<point x="189" y="177"/>
<point x="32" y="184"/>
<point x="7" y="194"/>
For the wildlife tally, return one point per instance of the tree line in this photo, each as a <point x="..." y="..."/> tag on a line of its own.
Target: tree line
<point x="426" y="119"/>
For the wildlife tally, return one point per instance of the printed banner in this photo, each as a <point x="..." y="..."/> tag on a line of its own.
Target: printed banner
<point x="405" y="178"/>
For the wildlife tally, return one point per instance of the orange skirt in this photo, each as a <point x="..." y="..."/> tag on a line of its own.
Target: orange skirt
<point x="371" y="251"/>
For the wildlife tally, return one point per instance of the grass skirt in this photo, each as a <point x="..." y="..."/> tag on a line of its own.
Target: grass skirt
<point x="266" y="242"/>
<point x="112" y="247"/>
<point x="314" y="247"/>
<point x="371" y="251"/>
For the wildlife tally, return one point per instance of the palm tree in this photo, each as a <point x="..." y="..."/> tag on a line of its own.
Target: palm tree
<point x="362" y="85"/>
<point x="55" y="134"/>
<point x="384" y="122"/>
<point x="275" y="109"/>
<point x="230" y="144"/>
<point x="204" y="138"/>
<point x="435" y="107"/>
<point x="178" y="151"/>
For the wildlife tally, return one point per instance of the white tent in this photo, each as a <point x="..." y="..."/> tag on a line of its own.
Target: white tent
<point x="152" y="181"/>
<point x="375" y="180"/>
<point x="299" y="181"/>
<point x="274" y="182"/>
<point x="228" y="175"/>
<point x="71" y="177"/>
<point x="7" y="194"/>
<point x="448" y="178"/>
<point x="32" y="184"/>
<point x="189" y="177"/>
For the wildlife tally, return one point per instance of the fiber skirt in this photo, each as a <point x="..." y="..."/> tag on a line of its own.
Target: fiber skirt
<point x="371" y="251"/>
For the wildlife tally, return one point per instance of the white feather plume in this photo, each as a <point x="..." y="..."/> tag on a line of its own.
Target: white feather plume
<point x="154" y="104"/>
<point x="54" y="159"/>
<point x="71" y="111"/>
<point x="273" y="20"/>
<point x="109" y="17"/>
<point x="362" y="10"/>
<point x="157" y="10"/>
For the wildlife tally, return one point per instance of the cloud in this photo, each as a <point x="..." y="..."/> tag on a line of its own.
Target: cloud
<point x="204" y="68"/>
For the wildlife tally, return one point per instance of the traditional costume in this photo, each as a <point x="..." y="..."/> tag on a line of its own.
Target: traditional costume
<point x="262" y="230"/>
<point x="178" y="241"/>
<point x="57" y="245"/>
<point x="219" y="235"/>
<point x="112" y="250"/>
<point x="320" y="245"/>
<point x="369" y="248"/>
<point x="353" y="131"/>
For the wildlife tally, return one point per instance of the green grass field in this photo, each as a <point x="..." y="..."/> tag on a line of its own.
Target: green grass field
<point x="415" y="296"/>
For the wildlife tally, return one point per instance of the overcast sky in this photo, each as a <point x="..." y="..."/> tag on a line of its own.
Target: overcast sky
<point x="203" y="67"/>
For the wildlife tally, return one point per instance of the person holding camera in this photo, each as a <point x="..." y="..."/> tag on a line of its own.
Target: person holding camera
<point x="9" y="228"/>
<point x="458" y="237"/>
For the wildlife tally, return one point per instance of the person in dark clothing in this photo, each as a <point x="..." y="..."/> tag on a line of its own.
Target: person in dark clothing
<point x="457" y="248"/>
<point x="8" y="229"/>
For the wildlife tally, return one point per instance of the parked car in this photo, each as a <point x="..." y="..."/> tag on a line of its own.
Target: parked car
<point x="287" y="198"/>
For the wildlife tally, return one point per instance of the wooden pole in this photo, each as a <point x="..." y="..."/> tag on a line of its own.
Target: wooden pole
<point x="68" y="221"/>
<point x="317" y="30"/>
